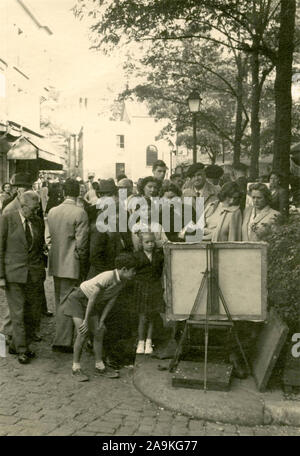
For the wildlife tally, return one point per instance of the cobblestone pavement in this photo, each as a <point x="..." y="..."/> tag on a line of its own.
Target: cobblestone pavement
<point x="42" y="399"/>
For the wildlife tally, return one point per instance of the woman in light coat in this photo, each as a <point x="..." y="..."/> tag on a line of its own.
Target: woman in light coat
<point x="258" y="217"/>
<point x="223" y="218"/>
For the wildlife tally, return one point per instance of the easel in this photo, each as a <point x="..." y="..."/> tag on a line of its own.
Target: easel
<point x="209" y="278"/>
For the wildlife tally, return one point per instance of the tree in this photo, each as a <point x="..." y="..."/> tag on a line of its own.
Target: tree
<point x="171" y="71"/>
<point x="248" y="26"/>
<point x="283" y="99"/>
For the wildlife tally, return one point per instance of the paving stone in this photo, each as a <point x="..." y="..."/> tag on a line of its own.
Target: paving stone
<point x="80" y="433"/>
<point x="195" y="425"/>
<point x="99" y="426"/>
<point x="244" y="431"/>
<point x="199" y="433"/>
<point x="8" y="411"/>
<point x="9" y="419"/>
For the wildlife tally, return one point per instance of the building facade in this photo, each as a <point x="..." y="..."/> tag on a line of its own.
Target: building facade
<point x="125" y="146"/>
<point x="24" y="59"/>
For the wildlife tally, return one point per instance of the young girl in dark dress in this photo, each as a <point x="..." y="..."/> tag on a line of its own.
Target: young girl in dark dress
<point x="148" y="289"/>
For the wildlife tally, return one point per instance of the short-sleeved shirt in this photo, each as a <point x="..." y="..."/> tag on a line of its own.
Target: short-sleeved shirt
<point x="109" y="282"/>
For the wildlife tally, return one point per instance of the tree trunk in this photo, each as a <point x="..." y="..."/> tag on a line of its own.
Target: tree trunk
<point x="238" y="134"/>
<point x="283" y="98"/>
<point x="255" y="106"/>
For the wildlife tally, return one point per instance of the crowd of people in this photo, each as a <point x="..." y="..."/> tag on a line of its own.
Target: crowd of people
<point x="108" y="285"/>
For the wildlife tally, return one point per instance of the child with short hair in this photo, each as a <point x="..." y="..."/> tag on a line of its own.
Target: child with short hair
<point x="89" y="305"/>
<point x="148" y="288"/>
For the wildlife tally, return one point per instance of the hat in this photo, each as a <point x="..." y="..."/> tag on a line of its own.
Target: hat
<point x="22" y="180"/>
<point x="214" y="172"/>
<point x="127" y="183"/>
<point x="194" y="168"/>
<point x="91" y="174"/>
<point x="107" y="186"/>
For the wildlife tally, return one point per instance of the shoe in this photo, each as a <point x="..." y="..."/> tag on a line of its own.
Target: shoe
<point x="112" y="365"/>
<point x="23" y="359"/>
<point x="47" y="313"/>
<point x="62" y="349"/>
<point x="148" y="347"/>
<point x="107" y="372"/>
<point x="140" y="349"/>
<point x="30" y="354"/>
<point x="12" y="350"/>
<point x="79" y="375"/>
<point x="36" y="338"/>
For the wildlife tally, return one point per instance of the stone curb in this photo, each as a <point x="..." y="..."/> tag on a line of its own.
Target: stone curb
<point x="243" y="405"/>
<point x="282" y="412"/>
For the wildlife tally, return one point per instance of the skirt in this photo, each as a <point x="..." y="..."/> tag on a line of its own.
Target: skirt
<point x="148" y="297"/>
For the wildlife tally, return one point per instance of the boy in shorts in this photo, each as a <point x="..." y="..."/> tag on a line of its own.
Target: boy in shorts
<point x="89" y="305"/>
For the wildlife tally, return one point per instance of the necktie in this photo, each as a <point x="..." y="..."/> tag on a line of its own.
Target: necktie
<point x="28" y="234"/>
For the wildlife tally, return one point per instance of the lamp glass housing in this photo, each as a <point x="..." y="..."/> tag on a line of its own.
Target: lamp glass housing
<point x="194" y="101"/>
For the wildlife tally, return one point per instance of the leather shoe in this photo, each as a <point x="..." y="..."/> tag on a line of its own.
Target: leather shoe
<point x="47" y="313"/>
<point x="23" y="359"/>
<point x="30" y="354"/>
<point x="12" y="350"/>
<point x="36" y="338"/>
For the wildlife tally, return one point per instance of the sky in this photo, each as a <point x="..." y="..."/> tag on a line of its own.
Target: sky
<point x="75" y="67"/>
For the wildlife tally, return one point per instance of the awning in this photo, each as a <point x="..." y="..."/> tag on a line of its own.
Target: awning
<point x="31" y="147"/>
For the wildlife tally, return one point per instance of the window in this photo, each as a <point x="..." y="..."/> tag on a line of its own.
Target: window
<point x="151" y="155"/>
<point x="121" y="141"/>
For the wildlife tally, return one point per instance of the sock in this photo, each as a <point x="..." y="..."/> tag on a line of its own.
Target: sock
<point x="76" y="366"/>
<point x="149" y="341"/>
<point x="100" y="365"/>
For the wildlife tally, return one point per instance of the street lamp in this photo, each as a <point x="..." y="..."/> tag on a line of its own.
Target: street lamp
<point x="194" y="101"/>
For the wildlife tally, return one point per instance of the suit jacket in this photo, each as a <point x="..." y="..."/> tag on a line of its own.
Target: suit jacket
<point x="209" y="193"/>
<point x="16" y="260"/>
<point x="266" y="217"/>
<point x="68" y="237"/>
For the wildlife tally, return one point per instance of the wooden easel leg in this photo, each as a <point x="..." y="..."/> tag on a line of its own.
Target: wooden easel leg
<point x="234" y="331"/>
<point x="174" y="362"/>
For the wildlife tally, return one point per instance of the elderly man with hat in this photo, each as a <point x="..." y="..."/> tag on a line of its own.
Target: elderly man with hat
<point x="21" y="182"/>
<point x="22" y="269"/>
<point x="198" y="185"/>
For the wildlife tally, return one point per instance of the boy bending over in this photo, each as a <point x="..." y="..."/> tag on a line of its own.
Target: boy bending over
<point x="89" y="305"/>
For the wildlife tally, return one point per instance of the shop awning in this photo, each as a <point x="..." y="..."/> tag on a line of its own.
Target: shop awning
<point x="31" y="147"/>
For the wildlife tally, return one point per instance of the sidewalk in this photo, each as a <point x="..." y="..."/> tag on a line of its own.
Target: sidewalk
<point x="242" y="405"/>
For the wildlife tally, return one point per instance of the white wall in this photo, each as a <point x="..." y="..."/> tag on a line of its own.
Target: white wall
<point x="100" y="151"/>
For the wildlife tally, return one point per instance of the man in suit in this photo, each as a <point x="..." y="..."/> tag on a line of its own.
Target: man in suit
<point x="21" y="270"/>
<point x="68" y="255"/>
<point x="198" y="185"/>
<point x="20" y="182"/>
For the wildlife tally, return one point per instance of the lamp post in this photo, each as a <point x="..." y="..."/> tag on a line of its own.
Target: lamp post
<point x="194" y="101"/>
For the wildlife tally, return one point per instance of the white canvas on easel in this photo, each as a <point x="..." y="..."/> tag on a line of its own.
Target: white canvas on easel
<point x="241" y="270"/>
